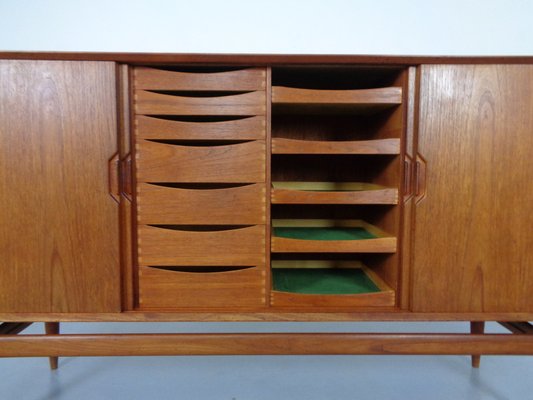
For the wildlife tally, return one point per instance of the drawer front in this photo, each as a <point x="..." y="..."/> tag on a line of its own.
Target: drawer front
<point x="159" y="246"/>
<point x="234" y="163"/>
<point x="172" y="289"/>
<point x="240" y="205"/>
<point x="161" y="79"/>
<point x="248" y="128"/>
<point x="150" y="103"/>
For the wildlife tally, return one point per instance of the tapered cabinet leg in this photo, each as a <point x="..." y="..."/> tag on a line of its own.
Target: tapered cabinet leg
<point x="479" y="328"/>
<point x="52" y="328"/>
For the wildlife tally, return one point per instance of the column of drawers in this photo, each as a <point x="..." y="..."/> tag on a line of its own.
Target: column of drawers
<point x="200" y="186"/>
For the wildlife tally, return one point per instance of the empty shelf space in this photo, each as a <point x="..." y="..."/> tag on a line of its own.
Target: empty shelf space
<point x="328" y="283"/>
<point x="332" y="193"/>
<point x="298" y="146"/>
<point x="289" y="99"/>
<point x="329" y="236"/>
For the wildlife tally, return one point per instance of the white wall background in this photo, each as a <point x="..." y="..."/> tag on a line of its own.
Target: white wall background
<point x="424" y="27"/>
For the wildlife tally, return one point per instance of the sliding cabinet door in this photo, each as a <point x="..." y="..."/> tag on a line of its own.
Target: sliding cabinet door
<point x="59" y="239"/>
<point x="473" y="219"/>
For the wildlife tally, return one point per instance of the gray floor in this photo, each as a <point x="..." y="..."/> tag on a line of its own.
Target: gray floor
<point x="267" y="377"/>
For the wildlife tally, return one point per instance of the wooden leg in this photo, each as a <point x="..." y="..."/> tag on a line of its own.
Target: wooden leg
<point x="476" y="327"/>
<point x="52" y="328"/>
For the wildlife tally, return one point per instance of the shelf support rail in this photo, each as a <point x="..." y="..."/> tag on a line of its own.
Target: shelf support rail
<point x="73" y="345"/>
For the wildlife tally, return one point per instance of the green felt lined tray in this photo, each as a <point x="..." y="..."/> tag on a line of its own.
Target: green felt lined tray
<point x="323" y="233"/>
<point x="322" y="281"/>
<point x="326" y="186"/>
<point x="329" y="236"/>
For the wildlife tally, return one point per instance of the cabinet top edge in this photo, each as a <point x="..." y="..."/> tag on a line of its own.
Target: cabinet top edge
<point x="262" y="59"/>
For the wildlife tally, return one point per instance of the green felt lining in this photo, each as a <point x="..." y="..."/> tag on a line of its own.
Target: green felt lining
<point x="322" y="281"/>
<point x="323" y="233"/>
<point x="326" y="186"/>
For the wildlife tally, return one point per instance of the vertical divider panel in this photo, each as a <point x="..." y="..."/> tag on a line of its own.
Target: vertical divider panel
<point x="268" y="185"/>
<point x="127" y="226"/>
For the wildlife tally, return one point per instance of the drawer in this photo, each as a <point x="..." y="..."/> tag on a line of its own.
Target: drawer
<point x="248" y="128"/>
<point x="152" y="103"/>
<point x="244" y="205"/>
<point x="230" y="163"/>
<point x="160" y="288"/>
<point x="161" y="79"/>
<point x="199" y="246"/>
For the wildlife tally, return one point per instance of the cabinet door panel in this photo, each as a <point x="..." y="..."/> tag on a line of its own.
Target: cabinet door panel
<point x="473" y="249"/>
<point x="59" y="230"/>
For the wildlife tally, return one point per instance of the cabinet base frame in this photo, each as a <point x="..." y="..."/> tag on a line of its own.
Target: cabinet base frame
<point x="73" y="345"/>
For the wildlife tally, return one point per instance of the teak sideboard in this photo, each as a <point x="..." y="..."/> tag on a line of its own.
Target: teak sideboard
<point x="186" y="187"/>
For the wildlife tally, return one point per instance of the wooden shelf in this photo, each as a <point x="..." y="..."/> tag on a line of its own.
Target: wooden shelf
<point x="329" y="236"/>
<point x="313" y="283"/>
<point x="332" y="193"/>
<point x="297" y="146"/>
<point x="296" y="100"/>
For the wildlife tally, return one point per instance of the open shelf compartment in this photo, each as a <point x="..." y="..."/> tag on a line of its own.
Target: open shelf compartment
<point x="328" y="283"/>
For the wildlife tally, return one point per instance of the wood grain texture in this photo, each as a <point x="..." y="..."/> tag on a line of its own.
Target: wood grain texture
<point x="263" y="344"/>
<point x="239" y="205"/>
<point x="235" y="246"/>
<point x="249" y="128"/>
<point x="59" y="236"/>
<point x="295" y="146"/>
<point x="234" y="163"/>
<point x="191" y="290"/>
<point x="473" y="248"/>
<point x="161" y="79"/>
<point x="150" y="103"/>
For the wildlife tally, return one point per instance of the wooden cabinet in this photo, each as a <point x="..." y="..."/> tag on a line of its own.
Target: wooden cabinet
<point x="266" y="188"/>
